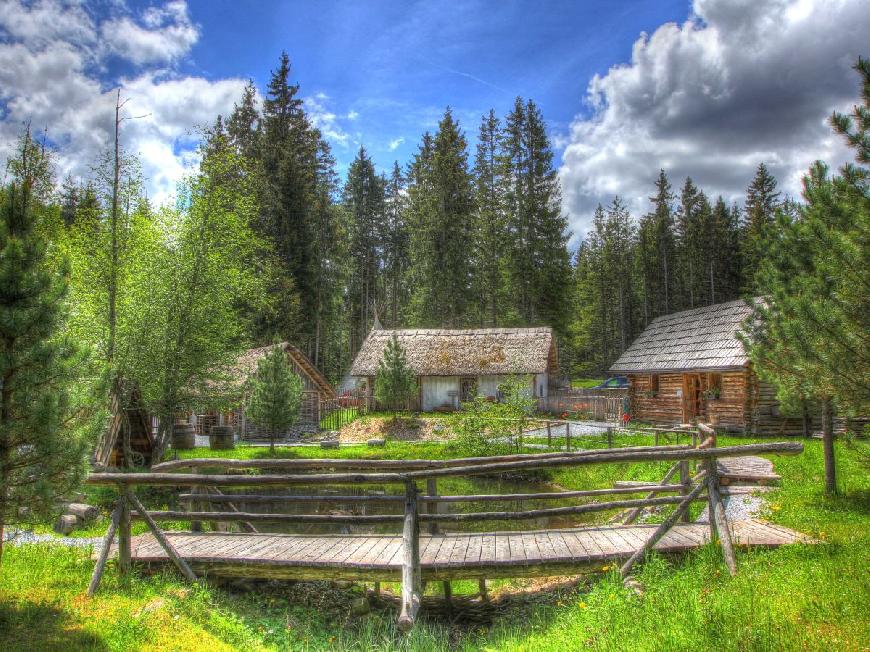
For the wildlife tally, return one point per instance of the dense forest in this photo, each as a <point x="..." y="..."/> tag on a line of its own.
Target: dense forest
<point x="453" y="238"/>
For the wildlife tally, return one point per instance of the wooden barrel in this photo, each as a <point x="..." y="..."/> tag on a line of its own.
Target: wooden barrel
<point x="222" y="438"/>
<point x="183" y="436"/>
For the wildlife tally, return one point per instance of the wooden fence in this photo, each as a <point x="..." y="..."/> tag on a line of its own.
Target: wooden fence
<point x="591" y="407"/>
<point x="208" y="489"/>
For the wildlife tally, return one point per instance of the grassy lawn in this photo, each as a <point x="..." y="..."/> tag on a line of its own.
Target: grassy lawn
<point x="793" y="598"/>
<point x="585" y="383"/>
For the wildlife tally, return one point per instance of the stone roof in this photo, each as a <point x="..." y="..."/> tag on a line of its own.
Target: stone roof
<point x="703" y="338"/>
<point x="484" y="351"/>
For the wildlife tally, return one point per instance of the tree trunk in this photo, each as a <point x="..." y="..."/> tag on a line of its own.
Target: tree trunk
<point x="828" y="445"/>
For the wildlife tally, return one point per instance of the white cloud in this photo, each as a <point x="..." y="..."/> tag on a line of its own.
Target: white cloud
<point x="55" y="83"/>
<point x="395" y="144"/>
<point x="352" y="115"/>
<point x="738" y="83"/>
<point x="325" y="120"/>
<point x="165" y="35"/>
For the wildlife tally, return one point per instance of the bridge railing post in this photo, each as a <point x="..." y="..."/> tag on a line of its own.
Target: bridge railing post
<point x="411" y="576"/>
<point x="124" y="534"/>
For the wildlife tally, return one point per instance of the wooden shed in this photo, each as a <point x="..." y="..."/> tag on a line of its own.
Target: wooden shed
<point x="690" y="366"/>
<point x="455" y="365"/>
<point x="316" y="388"/>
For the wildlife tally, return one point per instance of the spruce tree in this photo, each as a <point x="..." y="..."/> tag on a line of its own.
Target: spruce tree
<point x="396" y="257"/>
<point x="759" y="214"/>
<point x="275" y="394"/>
<point x="41" y="456"/>
<point x="395" y="382"/>
<point x="490" y="251"/>
<point x="657" y="253"/>
<point x="364" y="201"/>
<point x="441" y="214"/>
<point x="809" y="335"/>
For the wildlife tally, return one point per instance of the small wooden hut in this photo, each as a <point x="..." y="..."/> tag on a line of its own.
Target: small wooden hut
<point x="690" y="366"/>
<point x="134" y="419"/>
<point x="455" y="365"/>
<point x="315" y="389"/>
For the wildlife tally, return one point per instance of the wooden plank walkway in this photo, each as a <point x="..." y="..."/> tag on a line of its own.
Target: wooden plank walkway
<point x="442" y="557"/>
<point x="743" y="470"/>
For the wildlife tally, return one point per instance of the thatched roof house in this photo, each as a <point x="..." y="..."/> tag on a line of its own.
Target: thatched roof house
<point x="454" y="365"/>
<point x="691" y="366"/>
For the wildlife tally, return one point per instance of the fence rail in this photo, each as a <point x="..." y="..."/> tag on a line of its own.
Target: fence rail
<point x="418" y="508"/>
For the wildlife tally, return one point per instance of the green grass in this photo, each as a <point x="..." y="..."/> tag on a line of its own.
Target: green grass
<point x="585" y="383"/>
<point x="793" y="598"/>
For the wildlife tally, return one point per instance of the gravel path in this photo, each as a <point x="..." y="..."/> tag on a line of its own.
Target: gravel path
<point x="20" y="537"/>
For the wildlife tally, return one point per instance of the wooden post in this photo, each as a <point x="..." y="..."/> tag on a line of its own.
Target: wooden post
<point x="609" y="437"/>
<point x="684" y="480"/>
<point x="656" y="435"/>
<point x="481" y="588"/>
<point x="718" y="518"/>
<point x="124" y="545"/>
<point x="196" y="506"/>
<point x="161" y="538"/>
<point x="549" y="435"/>
<point x="662" y="529"/>
<point x="410" y="560"/>
<point x="448" y="594"/>
<point x="104" y="551"/>
<point x="567" y="436"/>
<point x="633" y="514"/>
<point x="432" y="507"/>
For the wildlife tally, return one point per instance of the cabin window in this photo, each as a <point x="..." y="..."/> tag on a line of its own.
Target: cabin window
<point x="714" y="386"/>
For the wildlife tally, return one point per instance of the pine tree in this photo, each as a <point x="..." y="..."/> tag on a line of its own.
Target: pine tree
<point x="689" y="229"/>
<point x="41" y="456"/>
<point x="441" y="219"/>
<point x="657" y="253"/>
<point x="243" y="125"/>
<point x="275" y="394"/>
<point x="396" y="258"/>
<point x="759" y="213"/>
<point x="809" y="335"/>
<point x="490" y="256"/>
<point x="364" y="200"/>
<point x="395" y="382"/>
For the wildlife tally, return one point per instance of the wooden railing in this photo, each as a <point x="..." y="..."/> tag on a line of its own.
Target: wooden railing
<point x="206" y="490"/>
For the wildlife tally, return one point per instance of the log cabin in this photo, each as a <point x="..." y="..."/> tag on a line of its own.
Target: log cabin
<point x="691" y="366"/>
<point x="454" y="366"/>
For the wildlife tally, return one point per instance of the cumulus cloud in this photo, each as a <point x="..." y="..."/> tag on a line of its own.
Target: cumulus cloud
<point x="165" y="34"/>
<point x="53" y="57"/>
<point x="738" y="83"/>
<point x="316" y="108"/>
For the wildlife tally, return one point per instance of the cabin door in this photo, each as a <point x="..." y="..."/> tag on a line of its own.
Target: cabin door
<point x="467" y="388"/>
<point x="693" y="397"/>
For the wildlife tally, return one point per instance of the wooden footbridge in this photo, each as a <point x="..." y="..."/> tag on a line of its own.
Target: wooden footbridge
<point x="410" y="556"/>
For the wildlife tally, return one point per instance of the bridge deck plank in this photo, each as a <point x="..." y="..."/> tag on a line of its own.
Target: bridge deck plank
<point x="494" y="554"/>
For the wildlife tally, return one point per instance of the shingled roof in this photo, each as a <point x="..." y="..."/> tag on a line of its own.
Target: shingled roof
<point x="485" y="351"/>
<point x="703" y="338"/>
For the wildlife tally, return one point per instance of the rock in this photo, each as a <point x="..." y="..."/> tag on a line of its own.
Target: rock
<point x="66" y="524"/>
<point x="360" y="606"/>
<point x="85" y="512"/>
<point x="342" y="584"/>
<point x="375" y="441"/>
<point x="326" y="443"/>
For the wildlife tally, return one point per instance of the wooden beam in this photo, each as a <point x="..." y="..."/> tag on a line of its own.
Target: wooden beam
<point x="662" y="529"/>
<point x="104" y="551"/>
<point x="411" y="576"/>
<point x="632" y="516"/>
<point x="718" y="516"/>
<point x="246" y="526"/>
<point x="161" y="538"/>
<point x="124" y="532"/>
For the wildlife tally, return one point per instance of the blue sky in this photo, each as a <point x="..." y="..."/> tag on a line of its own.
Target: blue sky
<point x="707" y="88"/>
<point x="396" y="65"/>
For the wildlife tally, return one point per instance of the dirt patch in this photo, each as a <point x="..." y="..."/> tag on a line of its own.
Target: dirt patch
<point x="403" y="429"/>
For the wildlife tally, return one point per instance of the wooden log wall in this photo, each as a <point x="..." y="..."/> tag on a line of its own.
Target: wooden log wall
<point x="665" y="407"/>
